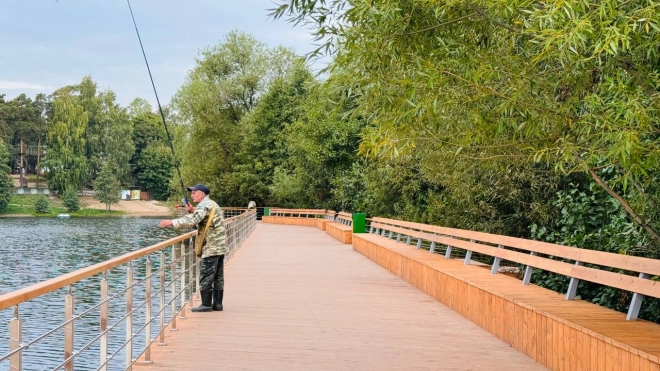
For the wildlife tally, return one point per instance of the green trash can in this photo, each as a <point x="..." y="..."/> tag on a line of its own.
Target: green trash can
<point x="359" y="223"/>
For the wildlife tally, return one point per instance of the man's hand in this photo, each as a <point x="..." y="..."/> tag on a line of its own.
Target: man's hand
<point x="189" y="208"/>
<point x="165" y="223"/>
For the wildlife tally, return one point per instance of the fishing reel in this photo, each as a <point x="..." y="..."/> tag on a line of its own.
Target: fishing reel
<point x="183" y="204"/>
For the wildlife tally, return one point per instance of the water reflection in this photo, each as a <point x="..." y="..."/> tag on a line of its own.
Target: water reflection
<point x="35" y="249"/>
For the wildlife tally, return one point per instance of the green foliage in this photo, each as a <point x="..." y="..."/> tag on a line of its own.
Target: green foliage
<point x="107" y="187"/>
<point x="221" y="89"/>
<point x="264" y="146"/>
<point x="155" y="169"/>
<point x="573" y="86"/>
<point x="70" y="200"/>
<point x="116" y="136"/>
<point x="42" y="205"/>
<point x="6" y="184"/>
<point x="152" y="160"/>
<point x="66" y="160"/>
<point x="588" y="219"/>
<point x="321" y="146"/>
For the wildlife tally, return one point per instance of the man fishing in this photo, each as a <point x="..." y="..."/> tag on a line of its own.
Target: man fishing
<point x="207" y="217"/>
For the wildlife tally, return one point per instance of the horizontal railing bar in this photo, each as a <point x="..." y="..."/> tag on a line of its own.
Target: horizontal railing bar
<point x="19" y="296"/>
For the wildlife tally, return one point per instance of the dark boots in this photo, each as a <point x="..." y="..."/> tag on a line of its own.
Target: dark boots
<point x="217" y="299"/>
<point x="206" y="302"/>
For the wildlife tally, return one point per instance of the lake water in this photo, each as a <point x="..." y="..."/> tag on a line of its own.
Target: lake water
<point x="35" y="249"/>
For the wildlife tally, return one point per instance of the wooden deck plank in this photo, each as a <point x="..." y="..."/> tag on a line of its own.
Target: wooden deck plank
<point x="297" y="299"/>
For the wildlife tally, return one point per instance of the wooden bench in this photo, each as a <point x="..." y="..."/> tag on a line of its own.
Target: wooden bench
<point x="306" y="217"/>
<point x="558" y="331"/>
<point x="341" y="228"/>
<point x="329" y="216"/>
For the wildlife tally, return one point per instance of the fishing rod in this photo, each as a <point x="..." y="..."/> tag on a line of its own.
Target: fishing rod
<point x="160" y="109"/>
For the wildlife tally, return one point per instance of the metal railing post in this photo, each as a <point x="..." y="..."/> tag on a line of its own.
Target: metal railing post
<point x="103" y="341"/>
<point x="191" y="265"/>
<point x="163" y="267"/>
<point x="15" y="340"/>
<point x="182" y="256"/>
<point x="68" y="330"/>
<point x="129" y="316"/>
<point x="147" y="315"/>
<point x="173" y="286"/>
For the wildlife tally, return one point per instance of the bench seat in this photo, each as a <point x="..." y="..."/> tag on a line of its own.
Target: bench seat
<point x="559" y="334"/>
<point x="289" y="220"/>
<point x="341" y="232"/>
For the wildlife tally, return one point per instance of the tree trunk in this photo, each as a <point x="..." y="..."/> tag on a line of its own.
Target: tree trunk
<point x="21" y="169"/>
<point x="38" y="159"/>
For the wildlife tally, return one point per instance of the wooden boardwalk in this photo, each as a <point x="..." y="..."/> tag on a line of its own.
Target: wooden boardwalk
<point x="297" y="299"/>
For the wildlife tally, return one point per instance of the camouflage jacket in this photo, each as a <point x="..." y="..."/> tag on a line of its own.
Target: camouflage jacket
<point x="216" y="237"/>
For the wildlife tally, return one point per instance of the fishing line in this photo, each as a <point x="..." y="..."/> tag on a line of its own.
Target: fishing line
<point x="160" y="109"/>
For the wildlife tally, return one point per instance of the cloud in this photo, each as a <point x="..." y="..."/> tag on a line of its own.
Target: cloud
<point x="22" y="85"/>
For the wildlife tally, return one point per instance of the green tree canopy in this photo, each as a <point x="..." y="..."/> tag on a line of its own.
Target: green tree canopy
<point x="573" y="84"/>
<point x="107" y="188"/>
<point x="226" y="83"/>
<point x="66" y="163"/>
<point x="6" y="184"/>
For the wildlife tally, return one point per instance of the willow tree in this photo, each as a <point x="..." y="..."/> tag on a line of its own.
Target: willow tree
<point x="6" y="183"/>
<point x="66" y="161"/>
<point x="115" y="133"/>
<point x="224" y="85"/>
<point x="484" y="89"/>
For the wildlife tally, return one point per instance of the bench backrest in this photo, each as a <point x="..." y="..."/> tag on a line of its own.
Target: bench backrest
<point x="330" y="214"/>
<point x="344" y="218"/>
<point x="297" y="213"/>
<point x="527" y="252"/>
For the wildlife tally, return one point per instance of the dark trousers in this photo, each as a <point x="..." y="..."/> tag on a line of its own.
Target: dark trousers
<point x="212" y="273"/>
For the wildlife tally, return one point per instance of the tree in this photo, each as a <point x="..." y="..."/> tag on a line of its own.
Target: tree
<point x="572" y="86"/>
<point x="139" y="107"/>
<point x="66" y="161"/>
<point x="107" y="188"/>
<point x="115" y="131"/>
<point x="152" y="161"/>
<point x="84" y="94"/>
<point x="225" y="84"/>
<point x="42" y="205"/>
<point x="155" y="169"/>
<point x="70" y="200"/>
<point x="6" y="183"/>
<point x="264" y="147"/>
<point x="5" y="131"/>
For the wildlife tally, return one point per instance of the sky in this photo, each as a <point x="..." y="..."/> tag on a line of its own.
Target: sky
<point x="48" y="44"/>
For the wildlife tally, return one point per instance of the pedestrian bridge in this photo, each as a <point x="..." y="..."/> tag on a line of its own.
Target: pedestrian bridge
<point x="305" y="291"/>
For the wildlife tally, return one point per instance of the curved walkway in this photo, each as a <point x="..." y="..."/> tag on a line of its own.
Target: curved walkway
<point x="296" y="299"/>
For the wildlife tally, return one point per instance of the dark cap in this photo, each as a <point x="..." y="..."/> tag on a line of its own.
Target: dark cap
<point x="200" y="187"/>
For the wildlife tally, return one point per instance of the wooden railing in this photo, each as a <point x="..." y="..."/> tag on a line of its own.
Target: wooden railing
<point x="175" y="279"/>
<point x="535" y="254"/>
<point x="297" y="213"/>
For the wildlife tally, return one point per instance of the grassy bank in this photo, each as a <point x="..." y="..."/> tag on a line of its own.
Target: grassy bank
<point x="24" y="205"/>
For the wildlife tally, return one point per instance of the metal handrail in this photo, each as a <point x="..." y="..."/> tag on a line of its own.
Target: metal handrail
<point x="183" y="284"/>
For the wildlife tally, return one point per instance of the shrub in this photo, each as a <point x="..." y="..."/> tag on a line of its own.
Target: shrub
<point x="42" y="206"/>
<point x="70" y="200"/>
